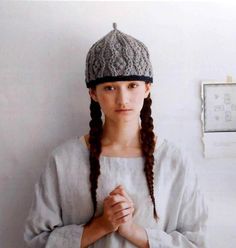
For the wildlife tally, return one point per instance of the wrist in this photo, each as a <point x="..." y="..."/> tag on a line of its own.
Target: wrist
<point x="102" y="225"/>
<point x="127" y="229"/>
<point x="135" y="233"/>
<point x="93" y="231"/>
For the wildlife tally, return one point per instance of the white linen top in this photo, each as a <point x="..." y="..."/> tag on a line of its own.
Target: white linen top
<point x="62" y="203"/>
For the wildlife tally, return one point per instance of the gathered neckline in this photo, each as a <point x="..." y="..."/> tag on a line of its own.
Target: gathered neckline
<point x="84" y="146"/>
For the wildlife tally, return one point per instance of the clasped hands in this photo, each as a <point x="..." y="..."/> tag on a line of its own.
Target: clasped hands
<point x="118" y="211"/>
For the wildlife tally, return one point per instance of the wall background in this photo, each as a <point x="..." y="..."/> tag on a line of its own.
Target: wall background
<point x="44" y="101"/>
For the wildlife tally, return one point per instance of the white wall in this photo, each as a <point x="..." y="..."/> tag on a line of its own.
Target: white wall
<point x="44" y="101"/>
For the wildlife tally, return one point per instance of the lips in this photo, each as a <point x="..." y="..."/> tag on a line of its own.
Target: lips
<point x="123" y="110"/>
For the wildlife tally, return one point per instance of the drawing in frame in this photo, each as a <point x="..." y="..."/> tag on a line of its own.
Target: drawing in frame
<point x="219" y="107"/>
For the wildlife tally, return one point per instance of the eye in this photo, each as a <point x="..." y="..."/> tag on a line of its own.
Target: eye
<point x="108" y="88"/>
<point x="133" y="85"/>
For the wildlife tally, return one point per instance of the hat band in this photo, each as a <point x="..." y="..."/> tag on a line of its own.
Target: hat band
<point x="118" y="78"/>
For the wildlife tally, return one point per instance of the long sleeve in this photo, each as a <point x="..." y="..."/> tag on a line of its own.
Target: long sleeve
<point x="44" y="226"/>
<point x="190" y="231"/>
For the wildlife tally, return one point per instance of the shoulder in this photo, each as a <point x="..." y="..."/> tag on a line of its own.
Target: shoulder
<point x="69" y="149"/>
<point x="67" y="157"/>
<point x="172" y="156"/>
<point x="168" y="149"/>
<point x="174" y="166"/>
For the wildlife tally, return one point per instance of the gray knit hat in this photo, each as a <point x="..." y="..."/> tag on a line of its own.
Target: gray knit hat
<point x="117" y="57"/>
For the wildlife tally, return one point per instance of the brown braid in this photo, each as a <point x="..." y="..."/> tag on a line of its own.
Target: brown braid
<point x="95" y="134"/>
<point x="148" y="146"/>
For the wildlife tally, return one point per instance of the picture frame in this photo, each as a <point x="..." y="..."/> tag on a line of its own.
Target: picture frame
<point x="218" y="106"/>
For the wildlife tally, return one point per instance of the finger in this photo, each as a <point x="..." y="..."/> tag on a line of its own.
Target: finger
<point x="122" y="213"/>
<point x="106" y="199"/>
<point x="114" y="190"/>
<point x="121" y="206"/>
<point x="115" y="199"/>
<point x="118" y="188"/>
<point x="123" y="219"/>
<point x="130" y="202"/>
<point x="121" y="190"/>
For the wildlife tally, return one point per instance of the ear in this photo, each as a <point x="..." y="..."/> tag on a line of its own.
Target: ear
<point x="147" y="89"/>
<point x="93" y="95"/>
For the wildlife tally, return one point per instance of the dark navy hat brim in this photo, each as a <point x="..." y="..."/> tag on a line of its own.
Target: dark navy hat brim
<point x="118" y="78"/>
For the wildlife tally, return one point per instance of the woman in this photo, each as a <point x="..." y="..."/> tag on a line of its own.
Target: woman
<point x="119" y="185"/>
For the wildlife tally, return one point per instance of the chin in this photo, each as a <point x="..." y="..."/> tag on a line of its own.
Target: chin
<point x="126" y="118"/>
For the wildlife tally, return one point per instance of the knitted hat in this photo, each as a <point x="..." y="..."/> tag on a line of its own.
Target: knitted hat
<point x="117" y="57"/>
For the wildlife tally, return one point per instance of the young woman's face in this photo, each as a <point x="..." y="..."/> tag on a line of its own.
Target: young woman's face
<point x="121" y="99"/>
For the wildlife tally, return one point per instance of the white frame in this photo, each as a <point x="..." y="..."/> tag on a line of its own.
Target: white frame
<point x="226" y="121"/>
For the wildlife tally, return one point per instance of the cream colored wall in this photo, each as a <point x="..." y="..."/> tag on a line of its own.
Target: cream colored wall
<point x="44" y="101"/>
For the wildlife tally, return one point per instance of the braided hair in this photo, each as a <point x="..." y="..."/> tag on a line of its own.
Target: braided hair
<point x="147" y="144"/>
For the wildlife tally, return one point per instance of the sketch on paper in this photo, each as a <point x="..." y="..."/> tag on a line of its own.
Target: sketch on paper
<point x="219" y="119"/>
<point x="219" y="107"/>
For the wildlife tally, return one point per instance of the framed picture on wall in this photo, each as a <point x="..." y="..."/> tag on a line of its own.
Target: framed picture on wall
<point x="219" y="107"/>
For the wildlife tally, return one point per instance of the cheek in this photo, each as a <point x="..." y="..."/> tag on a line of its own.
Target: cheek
<point x="105" y="102"/>
<point x="138" y="98"/>
<point x="138" y="101"/>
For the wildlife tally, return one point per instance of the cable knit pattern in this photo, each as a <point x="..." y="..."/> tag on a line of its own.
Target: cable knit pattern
<point x="117" y="56"/>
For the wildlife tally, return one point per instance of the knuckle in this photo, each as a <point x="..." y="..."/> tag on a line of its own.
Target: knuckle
<point x="123" y="212"/>
<point x="122" y="205"/>
<point x="122" y="220"/>
<point x="122" y="190"/>
<point x="111" y="201"/>
<point x="113" y="198"/>
<point x="126" y="218"/>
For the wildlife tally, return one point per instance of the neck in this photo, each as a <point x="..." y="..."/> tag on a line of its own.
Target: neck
<point x="126" y="134"/>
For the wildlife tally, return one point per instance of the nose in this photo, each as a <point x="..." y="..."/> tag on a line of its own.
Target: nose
<point x="122" y="97"/>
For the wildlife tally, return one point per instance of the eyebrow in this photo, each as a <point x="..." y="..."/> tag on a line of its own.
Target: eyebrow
<point x="115" y="83"/>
